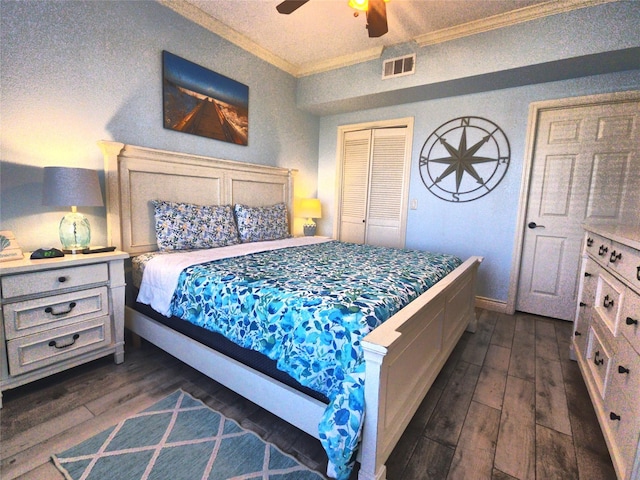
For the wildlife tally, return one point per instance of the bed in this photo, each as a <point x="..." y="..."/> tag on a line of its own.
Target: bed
<point x="402" y="356"/>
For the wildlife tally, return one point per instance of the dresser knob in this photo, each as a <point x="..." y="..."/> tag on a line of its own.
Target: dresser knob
<point x="615" y="257"/>
<point x="587" y="274"/>
<point x="582" y="304"/>
<point x="62" y="279"/>
<point x="622" y="369"/>
<point x="577" y="333"/>
<point x="602" y="250"/>
<point x="607" y="302"/>
<point x="631" y="321"/>
<point x="589" y="241"/>
<point x="613" y="416"/>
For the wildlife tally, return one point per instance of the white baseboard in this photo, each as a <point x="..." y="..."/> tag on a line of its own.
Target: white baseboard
<point x="491" y="304"/>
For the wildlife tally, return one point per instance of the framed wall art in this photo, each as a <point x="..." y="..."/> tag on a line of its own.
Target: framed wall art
<point x="201" y="102"/>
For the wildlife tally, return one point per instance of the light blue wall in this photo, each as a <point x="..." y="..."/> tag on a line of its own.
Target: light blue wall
<point x="73" y="73"/>
<point x="485" y="226"/>
<point x="581" y="42"/>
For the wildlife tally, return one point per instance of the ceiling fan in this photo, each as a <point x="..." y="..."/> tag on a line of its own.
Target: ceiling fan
<point x="376" y="11"/>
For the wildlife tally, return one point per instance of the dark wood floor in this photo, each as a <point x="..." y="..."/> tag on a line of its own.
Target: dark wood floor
<point x="509" y="403"/>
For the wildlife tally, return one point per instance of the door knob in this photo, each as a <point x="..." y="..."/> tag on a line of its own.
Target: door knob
<point x="534" y="225"/>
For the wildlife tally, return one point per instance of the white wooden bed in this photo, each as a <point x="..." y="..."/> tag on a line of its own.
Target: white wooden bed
<point x="403" y="355"/>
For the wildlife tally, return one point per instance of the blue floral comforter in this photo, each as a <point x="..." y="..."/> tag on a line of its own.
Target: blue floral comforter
<point x="308" y="307"/>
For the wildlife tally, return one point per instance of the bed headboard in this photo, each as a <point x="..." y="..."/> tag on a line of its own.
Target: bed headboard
<point x="135" y="176"/>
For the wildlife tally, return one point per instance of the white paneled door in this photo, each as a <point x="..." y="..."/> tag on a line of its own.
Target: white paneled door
<point x="586" y="168"/>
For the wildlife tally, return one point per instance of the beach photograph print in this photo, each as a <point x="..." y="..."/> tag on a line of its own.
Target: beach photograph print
<point x="202" y="102"/>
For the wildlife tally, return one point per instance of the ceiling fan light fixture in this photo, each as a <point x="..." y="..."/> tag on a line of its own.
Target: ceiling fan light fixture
<point x="361" y="5"/>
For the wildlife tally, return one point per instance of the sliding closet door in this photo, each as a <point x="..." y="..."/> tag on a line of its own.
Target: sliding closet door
<point x="374" y="186"/>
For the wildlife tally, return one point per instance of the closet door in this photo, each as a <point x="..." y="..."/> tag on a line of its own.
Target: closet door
<point x="374" y="183"/>
<point x="355" y="186"/>
<point x="387" y="180"/>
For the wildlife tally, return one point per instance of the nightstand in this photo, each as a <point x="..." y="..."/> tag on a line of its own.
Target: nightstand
<point x="59" y="313"/>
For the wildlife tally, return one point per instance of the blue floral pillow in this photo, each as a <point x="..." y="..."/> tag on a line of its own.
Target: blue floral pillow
<point x="183" y="226"/>
<point x="256" y="224"/>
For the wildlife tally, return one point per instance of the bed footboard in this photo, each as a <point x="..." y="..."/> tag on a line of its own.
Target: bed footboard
<point x="403" y="358"/>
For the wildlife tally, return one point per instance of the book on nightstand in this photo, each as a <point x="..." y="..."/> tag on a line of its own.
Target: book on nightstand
<point x="9" y="248"/>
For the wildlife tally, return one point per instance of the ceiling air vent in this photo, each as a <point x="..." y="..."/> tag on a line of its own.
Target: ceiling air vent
<point x="399" y="66"/>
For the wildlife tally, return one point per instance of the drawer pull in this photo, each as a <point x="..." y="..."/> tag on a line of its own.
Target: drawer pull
<point x="53" y="343"/>
<point x="613" y="416"/>
<point x="582" y="304"/>
<point x="587" y="274"/>
<point x="576" y="333"/>
<point x="50" y="310"/>
<point x="638" y="273"/>
<point x="596" y="360"/>
<point x="631" y="321"/>
<point x="62" y="279"/>
<point x="614" y="257"/>
<point x="602" y="250"/>
<point x="607" y="302"/>
<point x="622" y="369"/>
<point x="589" y="241"/>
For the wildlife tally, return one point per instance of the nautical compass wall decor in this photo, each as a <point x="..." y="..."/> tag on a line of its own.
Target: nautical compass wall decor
<point x="464" y="159"/>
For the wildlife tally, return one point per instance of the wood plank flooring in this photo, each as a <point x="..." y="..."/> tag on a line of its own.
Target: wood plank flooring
<point x="509" y="404"/>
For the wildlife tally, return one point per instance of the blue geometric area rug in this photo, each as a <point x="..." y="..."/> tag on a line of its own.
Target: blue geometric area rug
<point x="179" y="438"/>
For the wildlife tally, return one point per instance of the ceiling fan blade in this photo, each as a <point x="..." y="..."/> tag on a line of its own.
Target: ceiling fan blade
<point x="290" y="6"/>
<point x="377" y="18"/>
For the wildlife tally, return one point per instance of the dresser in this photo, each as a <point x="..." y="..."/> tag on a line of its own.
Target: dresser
<point x="58" y="313"/>
<point x="606" y="339"/>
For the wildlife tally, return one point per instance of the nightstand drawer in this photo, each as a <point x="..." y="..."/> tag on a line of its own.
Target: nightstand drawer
<point x="45" y="348"/>
<point x="33" y="316"/>
<point x="53" y="280"/>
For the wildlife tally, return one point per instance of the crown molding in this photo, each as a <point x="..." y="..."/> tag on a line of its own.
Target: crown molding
<point x="526" y="14"/>
<point x="552" y="7"/>
<point x="196" y="15"/>
<point x="339" y="62"/>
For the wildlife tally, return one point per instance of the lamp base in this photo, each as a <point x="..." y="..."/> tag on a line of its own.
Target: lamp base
<point x="75" y="232"/>
<point x="309" y="228"/>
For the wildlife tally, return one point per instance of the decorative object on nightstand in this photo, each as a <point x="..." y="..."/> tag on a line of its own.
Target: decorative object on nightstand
<point x="309" y="208"/>
<point x="72" y="187"/>
<point x="59" y="312"/>
<point x="9" y="248"/>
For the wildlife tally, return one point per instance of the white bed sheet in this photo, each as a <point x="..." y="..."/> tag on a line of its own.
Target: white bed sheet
<point x="161" y="273"/>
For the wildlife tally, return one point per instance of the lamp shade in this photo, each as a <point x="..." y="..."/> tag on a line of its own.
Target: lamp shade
<point x="69" y="186"/>
<point x="309" y="208"/>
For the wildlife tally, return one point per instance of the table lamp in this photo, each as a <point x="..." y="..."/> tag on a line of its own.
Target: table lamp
<point x="309" y="208"/>
<point x="72" y="187"/>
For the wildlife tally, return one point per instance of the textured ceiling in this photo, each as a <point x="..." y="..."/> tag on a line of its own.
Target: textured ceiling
<point x="325" y="34"/>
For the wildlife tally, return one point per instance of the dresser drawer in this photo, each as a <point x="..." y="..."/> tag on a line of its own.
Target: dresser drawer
<point x="599" y="359"/>
<point x="45" y="348"/>
<point x="624" y="376"/>
<point x="630" y="319"/>
<point x="53" y="280"/>
<point x="590" y="273"/>
<point x="626" y="261"/>
<point x="622" y="420"/>
<point x="597" y="246"/>
<point x="610" y="294"/>
<point x="32" y="316"/>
